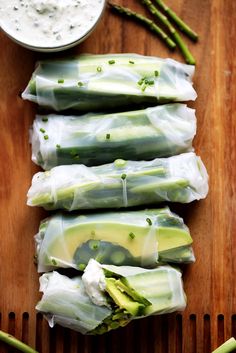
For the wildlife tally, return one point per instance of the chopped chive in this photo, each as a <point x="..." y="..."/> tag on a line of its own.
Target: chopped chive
<point x="156" y="73"/>
<point x="80" y="84"/>
<point x="73" y="152"/>
<point x="44" y="120"/>
<point x="144" y="87"/>
<point x="119" y="163"/>
<point x="58" y="146"/>
<point x="46" y="137"/>
<point x="94" y="244"/>
<point x="131" y="61"/>
<point x="140" y="82"/>
<point x="99" y="69"/>
<point x="108" y="136"/>
<point x="149" y="221"/>
<point x="123" y="176"/>
<point x="131" y="235"/>
<point x="42" y="130"/>
<point x="111" y="62"/>
<point x="76" y="156"/>
<point x="60" y="80"/>
<point x="54" y="262"/>
<point x="82" y="267"/>
<point x="144" y="82"/>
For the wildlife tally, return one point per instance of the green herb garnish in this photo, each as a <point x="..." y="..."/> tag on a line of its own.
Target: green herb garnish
<point x="82" y="267"/>
<point x="149" y="221"/>
<point x="131" y="235"/>
<point x="76" y="156"/>
<point x="140" y="82"/>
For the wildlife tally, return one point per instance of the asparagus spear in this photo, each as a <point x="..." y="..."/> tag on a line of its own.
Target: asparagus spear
<point x="14" y="342"/>
<point x="179" y="41"/>
<point x="177" y="20"/>
<point x="181" y="178"/>
<point x="227" y="347"/>
<point x="96" y="139"/>
<point x="145" y="21"/>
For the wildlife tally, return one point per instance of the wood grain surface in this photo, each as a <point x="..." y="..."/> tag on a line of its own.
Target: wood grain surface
<point x="210" y="317"/>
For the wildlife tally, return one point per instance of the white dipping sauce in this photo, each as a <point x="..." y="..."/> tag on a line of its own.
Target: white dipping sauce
<point x="49" y="23"/>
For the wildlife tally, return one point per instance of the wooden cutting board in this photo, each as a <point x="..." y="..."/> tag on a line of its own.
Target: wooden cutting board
<point x="210" y="317"/>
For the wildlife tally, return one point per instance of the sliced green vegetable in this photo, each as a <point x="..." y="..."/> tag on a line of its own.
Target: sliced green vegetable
<point x="118" y="238"/>
<point x="116" y="85"/>
<point x="96" y="139"/>
<point x="181" y="178"/>
<point x="227" y="347"/>
<point x="108" y="297"/>
<point x="183" y="27"/>
<point x="145" y="21"/>
<point x="14" y="342"/>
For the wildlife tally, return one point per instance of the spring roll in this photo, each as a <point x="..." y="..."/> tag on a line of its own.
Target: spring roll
<point x="107" y="297"/>
<point x="101" y="82"/>
<point x="134" y="238"/>
<point x="94" y="139"/>
<point x="181" y="178"/>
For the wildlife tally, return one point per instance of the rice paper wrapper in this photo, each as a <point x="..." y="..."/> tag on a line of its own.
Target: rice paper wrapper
<point x="66" y="302"/>
<point x="94" y="139"/>
<point x="132" y="238"/>
<point x="181" y="178"/>
<point x="95" y="82"/>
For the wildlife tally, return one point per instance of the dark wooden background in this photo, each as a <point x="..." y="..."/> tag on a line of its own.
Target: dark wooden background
<point x="210" y="317"/>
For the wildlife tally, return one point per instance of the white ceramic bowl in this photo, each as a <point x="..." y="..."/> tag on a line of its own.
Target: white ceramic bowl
<point x="63" y="46"/>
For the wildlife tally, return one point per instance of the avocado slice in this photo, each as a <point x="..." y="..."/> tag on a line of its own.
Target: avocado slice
<point x="120" y="283"/>
<point x="162" y="287"/>
<point x="122" y="299"/>
<point x="119" y="238"/>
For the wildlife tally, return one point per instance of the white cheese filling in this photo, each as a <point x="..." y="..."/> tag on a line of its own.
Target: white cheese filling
<point x="94" y="283"/>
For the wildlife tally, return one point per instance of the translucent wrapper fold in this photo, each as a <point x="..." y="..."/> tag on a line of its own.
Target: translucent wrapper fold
<point x="181" y="178"/>
<point x="67" y="303"/>
<point x="97" y="139"/>
<point x="135" y="238"/>
<point x="107" y="297"/>
<point x="99" y="82"/>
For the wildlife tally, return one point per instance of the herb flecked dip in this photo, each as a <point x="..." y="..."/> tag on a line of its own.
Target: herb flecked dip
<point x="49" y="23"/>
